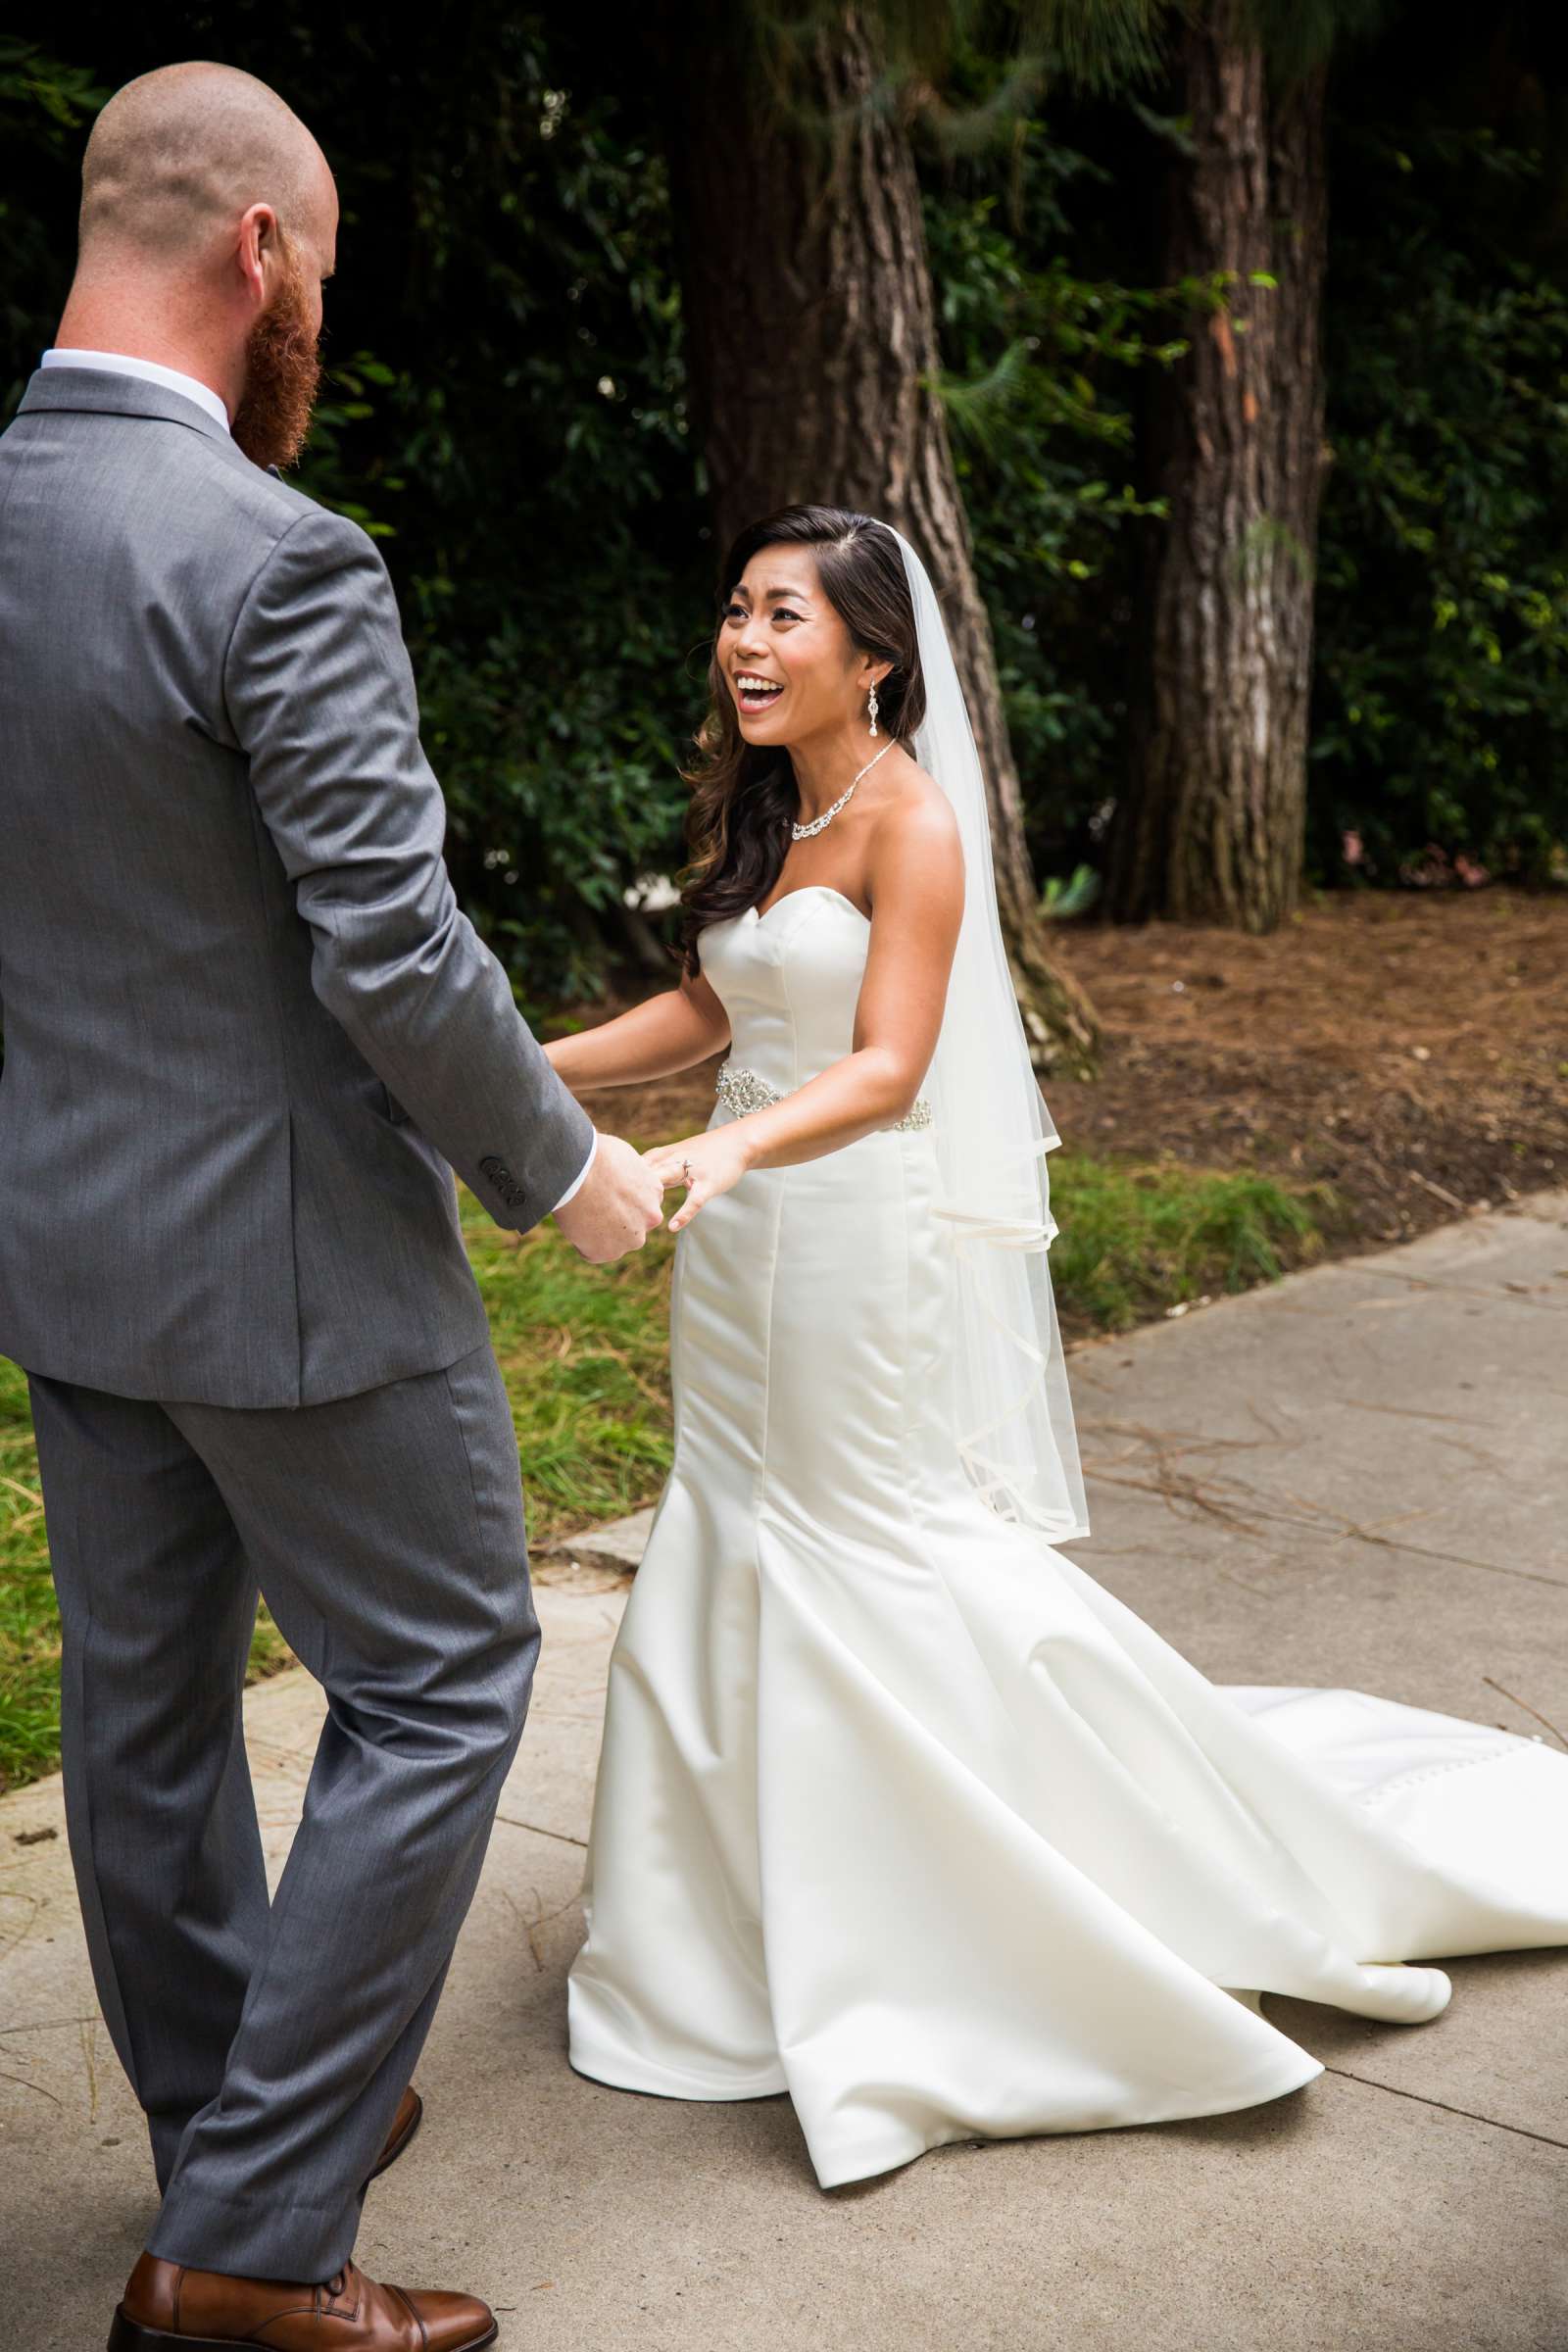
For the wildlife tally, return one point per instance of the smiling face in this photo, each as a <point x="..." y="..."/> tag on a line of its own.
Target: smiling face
<point x="789" y="662"/>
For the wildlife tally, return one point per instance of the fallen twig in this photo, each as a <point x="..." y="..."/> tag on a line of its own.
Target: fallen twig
<point x="1528" y="1708"/>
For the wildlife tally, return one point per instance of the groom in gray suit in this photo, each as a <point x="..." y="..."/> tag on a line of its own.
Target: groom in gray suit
<point x="248" y="1036"/>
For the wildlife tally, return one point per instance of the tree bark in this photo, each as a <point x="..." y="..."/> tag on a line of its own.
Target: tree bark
<point x="1212" y="825"/>
<point x="812" y="363"/>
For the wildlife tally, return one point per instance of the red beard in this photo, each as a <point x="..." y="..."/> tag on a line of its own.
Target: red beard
<point x="282" y="374"/>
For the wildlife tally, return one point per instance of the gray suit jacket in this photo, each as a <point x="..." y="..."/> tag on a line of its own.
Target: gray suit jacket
<point x="247" y="1027"/>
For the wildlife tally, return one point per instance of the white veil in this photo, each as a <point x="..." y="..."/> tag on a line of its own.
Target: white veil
<point x="1014" y="1418"/>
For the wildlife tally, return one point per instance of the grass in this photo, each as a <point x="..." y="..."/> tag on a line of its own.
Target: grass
<point x="30" y="1629"/>
<point x="1138" y="1236"/>
<point x="583" y="1352"/>
<point x="29" y="1626"/>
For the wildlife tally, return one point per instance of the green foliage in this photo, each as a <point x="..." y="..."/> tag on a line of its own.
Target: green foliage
<point x="1436" y="750"/>
<point x="1140" y="1237"/>
<point x="1093" y="44"/>
<point x="1441" y="727"/>
<point x="1039" y="360"/>
<point x="505" y="412"/>
<point x="46" y="108"/>
<point x="29" y="1629"/>
<point x="1300" y="35"/>
<point x="45" y="105"/>
<point x="506" y="415"/>
<point x="543" y="508"/>
<point x="1059" y="900"/>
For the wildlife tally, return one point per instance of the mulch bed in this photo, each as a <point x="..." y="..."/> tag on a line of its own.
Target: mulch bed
<point x="1411" y="1049"/>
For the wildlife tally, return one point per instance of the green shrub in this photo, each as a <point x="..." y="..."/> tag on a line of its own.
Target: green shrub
<point x="1439" y="740"/>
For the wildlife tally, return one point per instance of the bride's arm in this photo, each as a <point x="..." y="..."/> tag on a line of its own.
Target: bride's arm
<point x="667" y="1033"/>
<point x="914" y="872"/>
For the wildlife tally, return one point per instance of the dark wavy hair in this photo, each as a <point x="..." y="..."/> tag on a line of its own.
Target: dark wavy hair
<point x="744" y="797"/>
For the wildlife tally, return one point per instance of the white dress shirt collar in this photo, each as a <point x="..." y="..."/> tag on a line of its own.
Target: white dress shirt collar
<point x="120" y="363"/>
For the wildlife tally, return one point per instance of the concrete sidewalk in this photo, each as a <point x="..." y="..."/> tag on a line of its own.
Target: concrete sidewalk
<point x="1358" y="1475"/>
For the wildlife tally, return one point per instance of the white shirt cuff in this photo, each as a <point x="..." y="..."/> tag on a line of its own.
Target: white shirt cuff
<point x="579" y="1178"/>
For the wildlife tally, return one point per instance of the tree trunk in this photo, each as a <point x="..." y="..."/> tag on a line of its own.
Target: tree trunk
<point x="1212" y="825"/>
<point x="812" y="356"/>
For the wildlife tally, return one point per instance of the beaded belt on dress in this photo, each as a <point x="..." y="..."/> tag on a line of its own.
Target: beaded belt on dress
<point x="740" y="1091"/>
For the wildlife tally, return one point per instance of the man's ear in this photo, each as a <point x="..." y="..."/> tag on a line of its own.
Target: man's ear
<point x="260" y="250"/>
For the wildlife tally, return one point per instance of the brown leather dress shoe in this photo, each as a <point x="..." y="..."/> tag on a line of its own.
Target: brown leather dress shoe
<point x="405" y="2124"/>
<point x="208" y="2311"/>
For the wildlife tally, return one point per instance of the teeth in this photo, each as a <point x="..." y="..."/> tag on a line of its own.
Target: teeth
<point x="750" y="685"/>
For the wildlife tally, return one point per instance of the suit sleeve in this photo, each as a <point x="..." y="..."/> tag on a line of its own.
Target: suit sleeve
<point x="321" y="697"/>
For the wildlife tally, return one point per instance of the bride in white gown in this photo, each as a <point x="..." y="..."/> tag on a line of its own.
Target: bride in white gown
<point x="898" y="1810"/>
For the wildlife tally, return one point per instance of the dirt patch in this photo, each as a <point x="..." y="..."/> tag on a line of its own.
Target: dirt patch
<point x="1411" y="1050"/>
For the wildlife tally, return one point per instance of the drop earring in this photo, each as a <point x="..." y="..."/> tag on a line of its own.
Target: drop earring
<point x="872" y="709"/>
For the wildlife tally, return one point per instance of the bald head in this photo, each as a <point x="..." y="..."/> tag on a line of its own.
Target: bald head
<point x="179" y="154"/>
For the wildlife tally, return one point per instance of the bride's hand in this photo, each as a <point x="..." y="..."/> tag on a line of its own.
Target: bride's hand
<point x="706" y="1164"/>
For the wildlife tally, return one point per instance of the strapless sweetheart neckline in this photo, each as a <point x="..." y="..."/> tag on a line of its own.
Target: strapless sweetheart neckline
<point x="824" y="889"/>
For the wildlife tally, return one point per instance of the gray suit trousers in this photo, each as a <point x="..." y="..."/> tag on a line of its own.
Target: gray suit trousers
<point x="270" y="2043"/>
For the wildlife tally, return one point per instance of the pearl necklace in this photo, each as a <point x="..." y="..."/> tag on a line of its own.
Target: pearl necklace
<point x="805" y="832"/>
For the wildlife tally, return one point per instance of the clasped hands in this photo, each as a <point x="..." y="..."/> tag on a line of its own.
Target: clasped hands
<point x="621" y="1200"/>
<point x="706" y="1164"/>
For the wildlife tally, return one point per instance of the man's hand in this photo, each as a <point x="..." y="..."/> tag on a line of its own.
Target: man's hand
<point x="616" y="1207"/>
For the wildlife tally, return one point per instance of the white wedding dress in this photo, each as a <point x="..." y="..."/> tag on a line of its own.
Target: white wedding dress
<point x="900" y="1811"/>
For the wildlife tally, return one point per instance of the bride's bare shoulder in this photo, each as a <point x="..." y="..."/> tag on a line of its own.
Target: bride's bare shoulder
<point x="916" y="816"/>
<point x="916" y="853"/>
